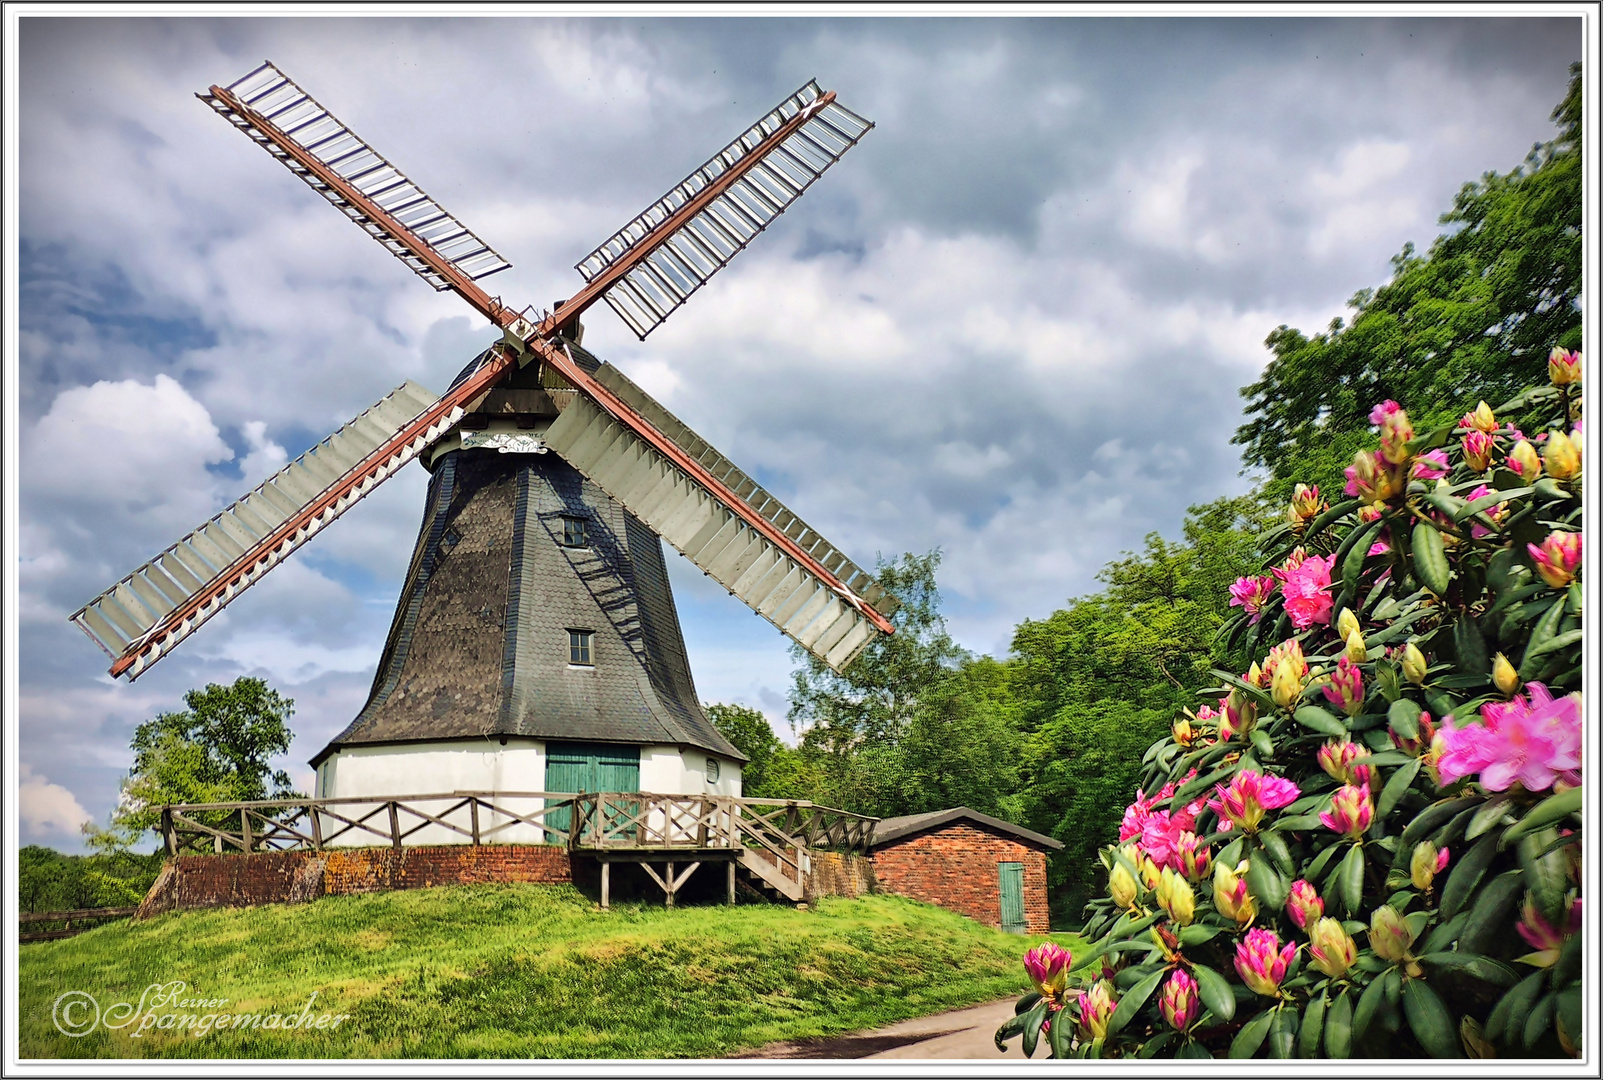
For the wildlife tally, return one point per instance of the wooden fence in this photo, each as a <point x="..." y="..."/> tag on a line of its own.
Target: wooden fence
<point x="67" y="918"/>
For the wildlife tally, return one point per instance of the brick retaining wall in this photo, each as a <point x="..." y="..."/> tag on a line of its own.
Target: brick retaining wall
<point x="278" y="877"/>
<point x="954" y="867"/>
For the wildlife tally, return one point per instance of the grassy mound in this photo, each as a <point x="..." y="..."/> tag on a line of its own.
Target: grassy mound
<point x="516" y="971"/>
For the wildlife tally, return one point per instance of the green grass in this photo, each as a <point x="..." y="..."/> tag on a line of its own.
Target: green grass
<point x="521" y="971"/>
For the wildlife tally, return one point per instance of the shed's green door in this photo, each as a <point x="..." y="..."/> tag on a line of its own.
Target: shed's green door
<point x="1012" y="884"/>
<point x="591" y="767"/>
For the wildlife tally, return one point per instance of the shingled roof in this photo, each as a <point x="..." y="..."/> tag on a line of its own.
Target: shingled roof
<point x="479" y="644"/>
<point x="899" y="828"/>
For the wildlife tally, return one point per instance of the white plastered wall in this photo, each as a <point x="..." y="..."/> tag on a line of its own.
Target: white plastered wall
<point x="430" y="768"/>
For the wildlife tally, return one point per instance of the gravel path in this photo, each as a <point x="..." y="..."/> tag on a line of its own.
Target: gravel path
<point x="964" y="1034"/>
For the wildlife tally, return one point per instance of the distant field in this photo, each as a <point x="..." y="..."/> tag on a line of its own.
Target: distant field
<point x="519" y="971"/>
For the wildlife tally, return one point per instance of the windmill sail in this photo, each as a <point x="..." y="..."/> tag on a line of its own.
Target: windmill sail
<point x="828" y="618"/>
<point x="701" y="246"/>
<point x="140" y="618"/>
<point x="282" y="118"/>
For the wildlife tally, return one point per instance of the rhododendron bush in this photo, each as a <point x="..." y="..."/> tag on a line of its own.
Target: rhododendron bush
<point x="1369" y="843"/>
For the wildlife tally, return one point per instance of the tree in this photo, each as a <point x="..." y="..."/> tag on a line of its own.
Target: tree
<point x="751" y="734"/>
<point x="1474" y="315"/>
<point x="216" y="750"/>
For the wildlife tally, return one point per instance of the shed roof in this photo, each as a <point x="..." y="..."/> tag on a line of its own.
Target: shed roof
<point x="899" y="828"/>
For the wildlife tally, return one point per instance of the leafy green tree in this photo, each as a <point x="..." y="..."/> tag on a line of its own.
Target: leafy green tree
<point x="751" y="734"/>
<point x="216" y="750"/>
<point x="1473" y="316"/>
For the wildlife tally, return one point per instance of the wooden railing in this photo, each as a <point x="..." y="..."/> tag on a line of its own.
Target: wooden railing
<point x="94" y="916"/>
<point x="611" y="821"/>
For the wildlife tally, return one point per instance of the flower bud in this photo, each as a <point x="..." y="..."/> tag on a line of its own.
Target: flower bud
<point x="1262" y="963"/>
<point x="1230" y="893"/>
<point x="1389" y="935"/>
<point x="1345" y="690"/>
<point x="1395" y="431"/>
<point x="1371" y="479"/>
<point x="1048" y="968"/>
<point x="1411" y="747"/>
<point x="1414" y="665"/>
<point x="1121" y="886"/>
<point x="1176" y="898"/>
<point x="1303" y="903"/>
<point x="1342" y="759"/>
<point x="1351" y="811"/>
<point x="1182" y="731"/>
<point x="1149" y="871"/>
<point x="1478" y="447"/>
<point x="1563" y="367"/>
<point x="1557" y="559"/>
<point x="1481" y="420"/>
<point x="1285" y="687"/>
<point x="1305" y="505"/>
<point x="1504" y="677"/>
<point x="1562" y="457"/>
<point x="1179" y="1001"/>
<point x="1096" y="1009"/>
<point x="1255" y="676"/>
<point x="1331" y="947"/>
<point x="1523" y="460"/>
<point x="1347" y="624"/>
<point x="1426" y="863"/>
<point x="1195" y="856"/>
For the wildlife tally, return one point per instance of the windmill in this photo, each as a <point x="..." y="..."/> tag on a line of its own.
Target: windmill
<point x="535" y="645"/>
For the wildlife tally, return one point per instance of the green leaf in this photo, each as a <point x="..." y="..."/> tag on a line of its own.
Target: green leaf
<point x="1429" y="818"/>
<point x="1487" y="924"/>
<point x="1014" y="1026"/>
<point x="1261" y="740"/>
<point x="1431" y="1022"/>
<point x="1283" y="1032"/>
<point x="1486" y="817"/>
<point x="1470" y="647"/>
<point x="1551" y="809"/>
<point x="1430" y="559"/>
<point x="1546" y="875"/>
<point x="1445" y="933"/>
<point x="1357" y="543"/>
<point x="1483" y="968"/>
<point x="1403" y="717"/>
<point x="1567" y="1013"/>
<point x="1486" y="502"/>
<point x="1251" y="1035"/>
<point x="1133" y="999"/>
<point x="1295" y="823"/>
<point x="1368" y="1004"/>
<point x="1197" y="933"/>
<point x="1025" y="1003"/>
<point x="1275" y="845"/>
<point x="1351" y="876"/>
<point x="1216" y="995"/>
<point x="1466" y="874"/>
<point x="1320" y="720"/>
<point x="1313" y="1022"/>
<point x="1507" y="1021"/>
<point x="1060" y="1036"/>
<point x="1539" y="1022"/>
<point x="1567" y="968"/>
<point x="1336" y="512"/>
<point x="1269" y="887"/>
<point x="1339" y="1027"/>
<point x="1396" y="788"/>
<point x="1032" y="1027"/>
<point x="1193" y="1050"/>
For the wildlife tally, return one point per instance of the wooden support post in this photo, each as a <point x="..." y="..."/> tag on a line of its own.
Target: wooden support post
<point x="731" y="881"/>
<point x="669" y="888"/>
<point x="606" y="884"/>
<point x="395" y="825"/>
<point x="244" y="829"/>
<point x="473" y="812"/>
<point x="168" y="836"/>
<point x="317" y="828"/>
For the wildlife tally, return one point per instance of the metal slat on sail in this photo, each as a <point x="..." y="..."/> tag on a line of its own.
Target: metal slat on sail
<point x="704" y="244"/>
<point x="272" y="97"/>
<point x="128" y="612"/>
<point x="817" y="614"/>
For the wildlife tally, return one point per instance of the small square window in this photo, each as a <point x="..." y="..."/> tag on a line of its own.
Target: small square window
<point x="580" y="644"/>
<point x="575" y="532"/>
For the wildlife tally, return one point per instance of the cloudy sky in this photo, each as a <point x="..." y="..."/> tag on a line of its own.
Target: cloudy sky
<point x="1011" y="324"/>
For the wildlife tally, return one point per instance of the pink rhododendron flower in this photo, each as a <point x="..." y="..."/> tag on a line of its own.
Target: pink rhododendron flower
<point x="1251" y="594"/>
<point x="1379" y="547"/>
<point x="1431" y="466"/>
<point x="1262" y="963"/>
<point x="1558" y="557"/>
<point x="1548" y="940"/>
<point x="1306" y="587"/>
<point x="1371" y="479"/>
<point x="1250" y="795"/>
<point x="1345" y="690"/>
<point x="1494" y="512"/>
<point x="1533" y="741"/>
<point x="1395" y="431"/>
<point x="1195" y="857"/>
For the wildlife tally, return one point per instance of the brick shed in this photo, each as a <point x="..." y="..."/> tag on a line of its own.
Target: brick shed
<point x="990" y="870"/>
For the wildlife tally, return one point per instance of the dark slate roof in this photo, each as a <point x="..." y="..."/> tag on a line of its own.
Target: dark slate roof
<point x="899" y="828"/>
<point x="479" y="644"/>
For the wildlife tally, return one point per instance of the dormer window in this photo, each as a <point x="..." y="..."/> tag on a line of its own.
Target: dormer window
<point x="575" y="532"/>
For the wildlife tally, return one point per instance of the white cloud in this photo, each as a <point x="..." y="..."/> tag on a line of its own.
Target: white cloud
<point x="46" y="807"/>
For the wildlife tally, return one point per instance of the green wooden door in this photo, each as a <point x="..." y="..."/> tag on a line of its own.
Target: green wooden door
<point x="1012" y="885"/>
<point x="589" y="767"/>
